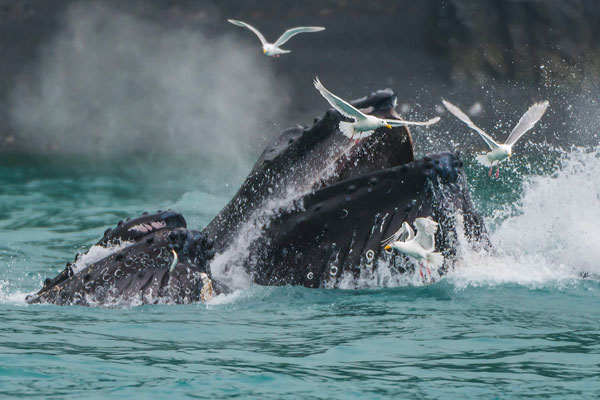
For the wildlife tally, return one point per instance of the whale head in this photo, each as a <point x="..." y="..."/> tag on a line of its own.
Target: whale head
<point x="308" y="158"/>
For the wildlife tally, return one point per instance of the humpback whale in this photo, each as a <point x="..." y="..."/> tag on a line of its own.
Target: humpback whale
<point x="318" y="206"/>
<point x="150" y="259"/>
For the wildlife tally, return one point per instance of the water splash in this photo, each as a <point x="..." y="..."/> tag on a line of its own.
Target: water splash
<point x="97" y="253"/>
<point x="545" y="238"/>
<point x="549" y="236"/>
<point x="110" y="82"/>
<point x="229" y="265"/>
<point x="10" y="294"/>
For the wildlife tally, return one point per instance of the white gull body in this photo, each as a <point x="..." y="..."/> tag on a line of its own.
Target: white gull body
<point x="364" y="125"/>
<point x="500" y="152"/>
<point x="420" y="246"/>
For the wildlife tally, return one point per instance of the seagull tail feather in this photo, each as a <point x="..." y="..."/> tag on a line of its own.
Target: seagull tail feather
<point x="482" y="159"/>
<point x="435" y="259"/>
<point x="347" y="128"/>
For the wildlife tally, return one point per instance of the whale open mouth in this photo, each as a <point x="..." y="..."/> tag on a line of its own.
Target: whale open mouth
<point x="307" y="159"/>
<point x="317" y="205"/>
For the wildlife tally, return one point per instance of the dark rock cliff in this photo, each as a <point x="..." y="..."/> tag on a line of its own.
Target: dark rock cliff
<point x="408" y="45"/>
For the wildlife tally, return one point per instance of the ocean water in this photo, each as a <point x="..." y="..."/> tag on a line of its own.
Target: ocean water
<point x="522" y="322"/>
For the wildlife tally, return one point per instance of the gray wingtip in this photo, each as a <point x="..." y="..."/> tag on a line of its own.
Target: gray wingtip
<point x="313" y="28"/>
<point x="541" y="106"/>
<point x="317" y="82"/>
<point x="446" y="103"/>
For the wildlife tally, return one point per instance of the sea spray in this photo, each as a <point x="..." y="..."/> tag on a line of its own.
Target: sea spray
<point x="550" y="235"/>
<point x="111" y="82"/>
<point x="231" y="264"/>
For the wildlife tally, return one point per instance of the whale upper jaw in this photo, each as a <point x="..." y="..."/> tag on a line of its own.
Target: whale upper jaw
<point x="309" y="158"/>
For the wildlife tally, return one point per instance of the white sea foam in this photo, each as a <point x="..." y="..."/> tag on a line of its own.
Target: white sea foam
<point x="229" y="265"/>
<point x="226" y="298"/>
<point x="97" y="253"/>
<point x="550" y="236"/>
<point x="10" y="295"/>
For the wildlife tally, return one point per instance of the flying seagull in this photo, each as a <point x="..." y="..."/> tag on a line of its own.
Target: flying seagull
<point x="421" y="246"/>
<point x="501" y="151"/>
<point x="273" y="49"/>
<point x="363" y="125"/>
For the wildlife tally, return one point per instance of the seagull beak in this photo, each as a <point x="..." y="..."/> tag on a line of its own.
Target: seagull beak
<point x="264" y="51"/>
<point x="388" y="247"/>
<point x="388" y="126"/>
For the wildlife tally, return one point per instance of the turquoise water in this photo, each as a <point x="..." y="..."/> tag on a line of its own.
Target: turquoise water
<point x="520" y="323"/>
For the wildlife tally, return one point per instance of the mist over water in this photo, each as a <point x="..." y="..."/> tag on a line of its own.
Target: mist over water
<point x="111" y="82"/>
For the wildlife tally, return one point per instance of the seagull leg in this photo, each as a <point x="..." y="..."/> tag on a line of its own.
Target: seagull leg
<point x="490" y="173"/>
<point x="428" y="271"/>
<point x="421" y="270"/>
<point x="497" y="170"/>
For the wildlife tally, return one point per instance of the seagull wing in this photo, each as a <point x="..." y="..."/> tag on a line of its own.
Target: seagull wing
<point x="253" y="29"/>
<point x="287" y="35"/>
<point x="400" y="122"/>
<point x="342" y="106"/>
<point x="405" y="233"/>
<point x="426" y="229"/>
<point x="457" y="112"/>
<point x="527" y="121"/>
<point x="409" y="230"/>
